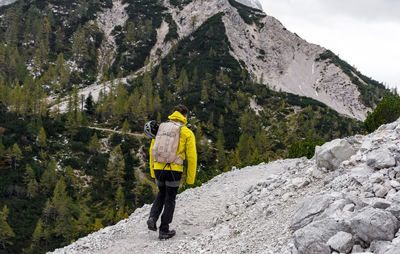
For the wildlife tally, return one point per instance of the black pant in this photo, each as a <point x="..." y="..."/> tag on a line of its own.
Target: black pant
<point x="168" y="184"/>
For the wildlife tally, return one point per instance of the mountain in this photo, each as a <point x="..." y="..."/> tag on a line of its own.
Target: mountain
<point x="79" y="79"/>
<point x="283" y="206"/>
<point x="261" y="44"/>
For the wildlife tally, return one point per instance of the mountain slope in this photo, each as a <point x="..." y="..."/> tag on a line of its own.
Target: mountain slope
<point x="259" y="209"/>
<point x="280" y="58"/>
<point x="105" y="39"/>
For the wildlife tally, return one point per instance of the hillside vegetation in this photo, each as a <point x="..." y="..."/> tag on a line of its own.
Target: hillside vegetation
<point x="61" y="180"/>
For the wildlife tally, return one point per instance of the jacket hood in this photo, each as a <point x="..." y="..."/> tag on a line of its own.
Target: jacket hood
<point x="177" y="117"/>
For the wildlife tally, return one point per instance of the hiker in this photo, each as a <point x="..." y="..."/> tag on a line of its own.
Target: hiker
<point x="172" y="143"/>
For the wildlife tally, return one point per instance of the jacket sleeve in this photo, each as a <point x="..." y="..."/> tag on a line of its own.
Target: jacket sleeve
<point x="191" y="156"/>
<point x="151" y="159"/>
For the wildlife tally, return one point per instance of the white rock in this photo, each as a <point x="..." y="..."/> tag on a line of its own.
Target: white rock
<point x="331" y="154"/>
<point x="341" y="242"/>
<point x="380" y="158"/>
<point x="374" y="224"/>
<point x="395" y="184"/>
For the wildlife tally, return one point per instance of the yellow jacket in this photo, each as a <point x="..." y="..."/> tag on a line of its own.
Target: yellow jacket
<point x="186" y="149"/>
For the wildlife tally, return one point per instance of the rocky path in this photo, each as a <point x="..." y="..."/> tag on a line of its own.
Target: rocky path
<point x="220" y="209"/>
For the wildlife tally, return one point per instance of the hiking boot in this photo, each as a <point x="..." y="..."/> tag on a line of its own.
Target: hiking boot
<point x="166" y="235"/>
<point x="151" y="224"/>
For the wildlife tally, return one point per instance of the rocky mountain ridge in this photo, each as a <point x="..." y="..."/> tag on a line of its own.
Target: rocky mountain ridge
<point x="273" y="55"/>
<point x="346" y="199"/>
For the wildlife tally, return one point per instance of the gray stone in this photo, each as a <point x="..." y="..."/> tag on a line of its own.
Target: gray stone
<point x="376" y="177"/>
<point x="357" y="249"/>
<point x="379" y="203"/>
<point x="380" y="247"/>
<point x="395" y="184"/>
<point x="331" y="154"/>
<point x="341" y="242"/>
<point x="361" y="173"/>
<point x="308" y="208"/>
<point x="312" y="238"/>
<point x="300" y="182"/>
<point x="380" y="158"/>
<point x="374" y="224"/>
<point x="395" y="210"/>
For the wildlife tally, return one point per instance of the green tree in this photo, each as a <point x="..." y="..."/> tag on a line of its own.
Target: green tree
<point x="221" y="150"/>
<point x="49" y="177"/>
<point x="30" y="180"/>
<point x="89" y="107"/>
<point x="125" y="127"/>
<point x="94" y="144"/>
<point x="116" y="167"/>
<point x="41" y="138"/>
<point x="387" y="111"/>
<point x="38" y="235"/>
<point x="66" y="224"/>
<point x="6" y="233"/>
<point x="120" y="205"/>
<point x="16" y="155"/>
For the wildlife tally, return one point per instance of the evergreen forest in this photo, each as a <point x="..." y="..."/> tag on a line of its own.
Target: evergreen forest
<point x="62" y="177"/>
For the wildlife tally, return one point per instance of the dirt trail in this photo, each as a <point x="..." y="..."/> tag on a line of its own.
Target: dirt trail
<point x="136" y="134"/>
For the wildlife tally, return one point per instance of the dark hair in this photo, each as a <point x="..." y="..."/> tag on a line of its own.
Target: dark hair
<point x="181" y="108"/>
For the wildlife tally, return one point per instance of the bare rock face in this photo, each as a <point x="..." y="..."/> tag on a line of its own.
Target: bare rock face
<point x="269" y="51"/>
<point x="331" y="154"/>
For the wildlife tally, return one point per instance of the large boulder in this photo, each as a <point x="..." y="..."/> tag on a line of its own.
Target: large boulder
<point x="381" y="158"/>
<point x="308" y="209"/>
<point x="374" y="224"/>
<point x="313" y="238"/>
<point x="331" y="154"/>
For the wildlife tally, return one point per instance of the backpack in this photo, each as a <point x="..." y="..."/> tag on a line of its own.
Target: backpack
<point x="167" y="142"/>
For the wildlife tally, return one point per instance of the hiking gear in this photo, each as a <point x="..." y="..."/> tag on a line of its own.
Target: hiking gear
<point x="166" y="144"/>
<point x="152" y="224"/>
<point x="163" y="235"/>
<point x="165" y="197"/>
<point x="186" y="150"/>
<point x="151" y="128"/>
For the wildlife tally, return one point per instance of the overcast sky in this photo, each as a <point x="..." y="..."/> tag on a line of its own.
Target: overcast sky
<point x="365" y="33"/>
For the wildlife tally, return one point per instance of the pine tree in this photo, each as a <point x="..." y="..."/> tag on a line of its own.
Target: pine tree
<point x="89" y="107"/>
<point x="120" y="204"/>
<point x="221" y="149"/>
<point x="116" y="167"/>
<point x="38" y="235"/>
<point x="41" y="138"/>
<point x="16" y="155"/>
<point x="125" y="127"/>
<point x="243" y="148"/>
<point x="6" y="233"/>
<point x="66" y="225"/>
<point x="94" y="144"/>
<point x="30" y="181"/>
<point x="49" y="177"/>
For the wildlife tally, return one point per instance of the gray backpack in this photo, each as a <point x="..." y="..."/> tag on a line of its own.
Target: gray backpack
<point x="167" y="142"/>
